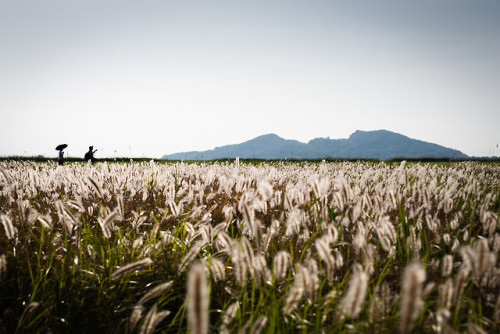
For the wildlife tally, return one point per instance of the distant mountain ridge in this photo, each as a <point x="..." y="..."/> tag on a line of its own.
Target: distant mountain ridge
<point x="379" y="144"/>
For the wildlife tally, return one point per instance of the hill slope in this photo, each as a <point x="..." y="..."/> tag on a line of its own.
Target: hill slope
<point x="380" y="144"/>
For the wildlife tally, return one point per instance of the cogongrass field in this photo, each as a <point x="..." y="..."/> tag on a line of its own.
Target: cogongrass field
<point x="231" y="247"/>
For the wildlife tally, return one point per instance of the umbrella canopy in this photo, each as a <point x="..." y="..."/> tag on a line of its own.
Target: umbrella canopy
<point x="61" y="147"/>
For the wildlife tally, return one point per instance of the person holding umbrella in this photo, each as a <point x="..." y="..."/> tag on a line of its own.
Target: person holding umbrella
<point x="60" y="148"/>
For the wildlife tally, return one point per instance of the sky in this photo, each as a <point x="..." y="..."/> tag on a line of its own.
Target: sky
<point x="152" y="77"/>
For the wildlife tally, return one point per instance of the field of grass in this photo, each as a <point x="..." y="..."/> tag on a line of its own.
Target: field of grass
<point x="234" y="247"/>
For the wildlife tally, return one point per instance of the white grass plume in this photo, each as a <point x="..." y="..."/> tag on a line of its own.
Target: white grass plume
<point x="193" y="252"/>
<point x="217" y="269"/>
<point x="265" y="190"/>
<point x="445" y="294"/>
<point x="496" y="312"/>
<point x="324" y="252"/>
<point x="130" y="267"/>
<point x="46" y="222"/>
<point x="333" y="233"/>
<point x="135" y="317"/>
<point x="107" y="223"/>
<point x="474" y="329"/>
<point x="447" y="265"/>
<point x="479" y="259"/>
<point x="95" y="185"/>
<point x="156" y="291"/>
<point x="460" y="282"/>
<point x="330" y="296"/>
<point x="262" y="272"/>
<point x="224" y="242"/>
<point x="197" y="299"/>
<point x="230" y="313"/>
<point x="152" y="320"/>
<point x="311" y="289"/>
<point x="292" y="301"/>
<point x="228" y="317"/>
<point x="411" y="301"/>
<point x="5" y="175"/>
<point x="485" y="260"/>
<point x="249" y="254"/>
<point x="3" y="265"/>
<point x="352" y="303"/>
<point x="375" y="308"/>
<point x="10" y="230"/>
<point x="258" y="325"/>
<point x="61" y="213"/>
<point x="240" y="266"/>
<point x="281" y="263"/>
<point x="248" y="216"/>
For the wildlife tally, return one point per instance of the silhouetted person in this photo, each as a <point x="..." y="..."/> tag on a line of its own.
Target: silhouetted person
<point x="61" y="158"/>
<point x="60" y="148"/>
<point x="90" y="155"/>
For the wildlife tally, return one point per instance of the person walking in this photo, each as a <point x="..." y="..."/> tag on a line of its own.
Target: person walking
<point x="61" y="158"/>
<point x="90" y="155"/>
<point x="60" y="148"/>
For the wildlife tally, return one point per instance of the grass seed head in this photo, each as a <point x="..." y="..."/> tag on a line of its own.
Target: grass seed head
<point x="197" y="299"/>
<point x="217" y="269"/>
<point x="117" y="274"/>
<point x="230" y="313"/>
<point x="155" y="292"/>
<point x="10" y="230"/>
<point x="3" y="265"/>
<point x="240" y="266"/>
<point x="135" y="316"/>
<point x="152" y="320"/>
<point x="258" y="325"/>
<point x="281" y="263"/>
<point x="447" y="265"/>
<point x="292" y="301"/>
<point x="352" y="303"/>
<point x="411" y="300"/>
<point x="193" y="252"/>
<point x="446" y="294"/>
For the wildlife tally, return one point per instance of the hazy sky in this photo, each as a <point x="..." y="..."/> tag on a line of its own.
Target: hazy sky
<point x="151" y="77"/>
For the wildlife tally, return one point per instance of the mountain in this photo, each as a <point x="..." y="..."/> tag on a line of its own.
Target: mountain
<point x="379" y="144"/>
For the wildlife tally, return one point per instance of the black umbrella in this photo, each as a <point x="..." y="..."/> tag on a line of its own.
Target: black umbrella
<point x="61" y="147"/>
